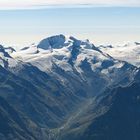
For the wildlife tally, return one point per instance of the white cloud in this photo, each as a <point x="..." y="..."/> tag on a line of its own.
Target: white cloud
<point x="102" y="2"/>
<point x="28" y="3"/>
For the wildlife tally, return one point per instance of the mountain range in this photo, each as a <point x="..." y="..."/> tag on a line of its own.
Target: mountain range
<point x="68" y="89"/>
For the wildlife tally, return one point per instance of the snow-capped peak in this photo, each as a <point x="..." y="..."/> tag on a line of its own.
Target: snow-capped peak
<point x="3" y="53"/>
<point x="60" y="41"/>
<point x="58" y="49"/>
<point x="5" y="58"/>
<point x="53" y="42"/>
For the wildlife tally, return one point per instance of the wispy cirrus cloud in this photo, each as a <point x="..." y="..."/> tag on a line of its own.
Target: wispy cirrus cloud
<point x="4" y="4"/>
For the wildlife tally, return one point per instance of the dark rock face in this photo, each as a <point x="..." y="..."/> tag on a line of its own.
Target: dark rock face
<point x="137" y="43"/>
<point x="122" y="120"/>
<point x="34" y="103"/>
<point x="117" y="117"/>
<point x="74" y="53"/>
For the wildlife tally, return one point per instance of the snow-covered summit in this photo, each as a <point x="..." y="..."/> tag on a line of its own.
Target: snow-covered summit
<point x="54" y="42"/>
<point x="9" y="50"/>
<point x="3" y="52"/>
<point x="60" y="41"/>
<point x="5" y="58"/>
<point x="56" y="49"/>
<point x="66" y="53"/>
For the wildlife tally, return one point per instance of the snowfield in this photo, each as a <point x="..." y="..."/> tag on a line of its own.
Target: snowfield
<point x="129" y="52"/>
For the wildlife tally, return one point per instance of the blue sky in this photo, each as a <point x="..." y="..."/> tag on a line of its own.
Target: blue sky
<point x="102" y="25"/>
